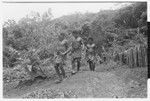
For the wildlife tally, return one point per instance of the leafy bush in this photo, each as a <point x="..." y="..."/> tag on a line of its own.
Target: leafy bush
<point x="14" y="75"/>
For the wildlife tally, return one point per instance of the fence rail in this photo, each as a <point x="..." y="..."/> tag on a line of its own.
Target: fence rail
<point x="133" y="57"/>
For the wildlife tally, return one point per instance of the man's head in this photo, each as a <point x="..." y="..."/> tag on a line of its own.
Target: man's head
<point x="79" y="39"/>
<point x="65" y="43"/>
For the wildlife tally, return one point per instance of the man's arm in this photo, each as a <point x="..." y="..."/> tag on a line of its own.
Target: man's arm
<point x="67" y="51"/>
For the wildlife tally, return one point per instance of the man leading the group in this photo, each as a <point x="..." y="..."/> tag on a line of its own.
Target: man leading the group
<point x="59" y="60"/>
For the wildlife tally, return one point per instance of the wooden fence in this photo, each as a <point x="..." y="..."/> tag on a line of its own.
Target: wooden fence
<point x="133" y="57"/>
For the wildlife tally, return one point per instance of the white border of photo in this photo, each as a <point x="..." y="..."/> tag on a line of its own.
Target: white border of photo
<point x="83" y="99"/>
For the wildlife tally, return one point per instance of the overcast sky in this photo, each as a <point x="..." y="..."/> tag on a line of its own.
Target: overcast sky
<point x="17" y="11"/>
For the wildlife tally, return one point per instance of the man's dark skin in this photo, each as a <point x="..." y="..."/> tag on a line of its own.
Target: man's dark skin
<point x="91" y="53"/>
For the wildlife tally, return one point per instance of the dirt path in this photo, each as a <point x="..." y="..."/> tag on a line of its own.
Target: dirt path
<point x="93" y="84"/>
<point x="84" y="84"/>
<point x="98" y="84"/>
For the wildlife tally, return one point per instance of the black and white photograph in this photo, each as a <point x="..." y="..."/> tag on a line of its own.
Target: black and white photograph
<point x="74" y="49"/>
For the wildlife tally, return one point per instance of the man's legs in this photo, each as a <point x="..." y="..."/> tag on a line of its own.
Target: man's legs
<point x="90" y="64"/>
<point x="78" y="64"/>
<point x="93" y="66"/>
<point x="73" y="65"/>
<point x="62" y="70"/>
<point x="57" y="70"/>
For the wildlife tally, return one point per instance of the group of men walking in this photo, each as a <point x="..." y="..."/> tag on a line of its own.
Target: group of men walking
<point x="75" y="50"/>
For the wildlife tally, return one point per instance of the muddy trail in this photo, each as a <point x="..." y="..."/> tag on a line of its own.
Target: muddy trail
<point x="108" y="83"/>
